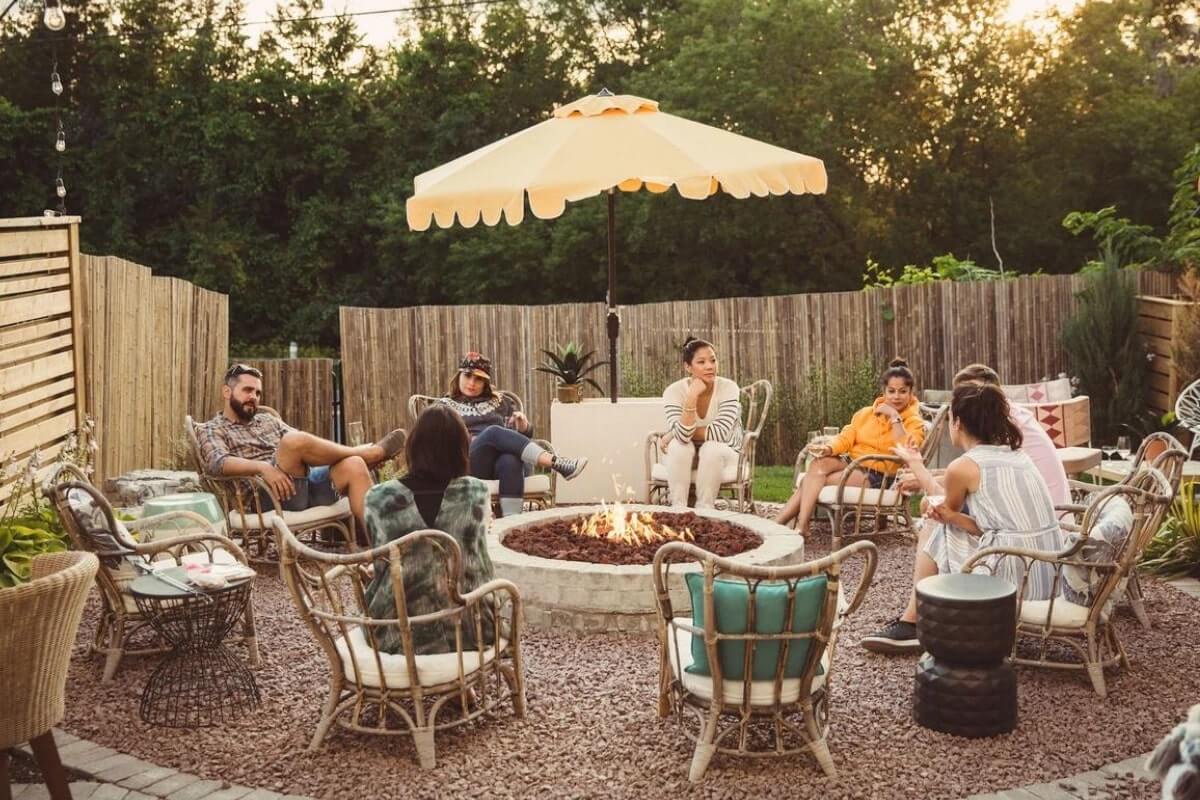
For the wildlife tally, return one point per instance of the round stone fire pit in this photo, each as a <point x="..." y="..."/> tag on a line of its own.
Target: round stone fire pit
<point x="583" y="596"/>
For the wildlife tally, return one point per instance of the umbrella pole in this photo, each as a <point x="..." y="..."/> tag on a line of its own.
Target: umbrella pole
<point x="614" y="321"/>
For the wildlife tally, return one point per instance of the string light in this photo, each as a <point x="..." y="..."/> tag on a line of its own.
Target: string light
<point x="54" y="17"/>
<point x="60" y="188"/>
<point x="55" y="81"/>
<point x="60" y="141"/>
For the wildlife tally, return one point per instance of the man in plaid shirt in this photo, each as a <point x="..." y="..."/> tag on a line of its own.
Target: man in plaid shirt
<point x="302" y="470"/>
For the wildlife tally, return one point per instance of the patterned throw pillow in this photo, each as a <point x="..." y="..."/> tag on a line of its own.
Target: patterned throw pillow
<point x="115" y="542"/>
<point x="1058" y="390"/>
<point x="1103" y="546"/>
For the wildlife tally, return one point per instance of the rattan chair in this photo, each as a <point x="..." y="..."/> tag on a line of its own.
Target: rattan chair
<point x="738" y="482"/>
<point x="742" y="716"/>
<point x="93" y="527"/>
<point x="1165" y="454"/>
<point x="540" y="486"/>
<point x="1089" y="575"/>
<point x="243" y="501"/>
<point x="404" y="694"/>
<point x="858" y="511"/>
<point x="38" y="623"/>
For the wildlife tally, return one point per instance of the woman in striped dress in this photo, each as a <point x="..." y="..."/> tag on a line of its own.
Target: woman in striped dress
<point x="704" y="414"/>
<point x="994" y="496"/>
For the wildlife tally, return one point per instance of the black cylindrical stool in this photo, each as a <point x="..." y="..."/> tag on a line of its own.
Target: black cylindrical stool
<point x="964" y="683"/>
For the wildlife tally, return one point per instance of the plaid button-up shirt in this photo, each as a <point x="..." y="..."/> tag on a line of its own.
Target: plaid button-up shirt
<point x="257" y="440"/>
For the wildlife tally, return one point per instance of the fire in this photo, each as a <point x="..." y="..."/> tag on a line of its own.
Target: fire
<point x="628" y="527"/>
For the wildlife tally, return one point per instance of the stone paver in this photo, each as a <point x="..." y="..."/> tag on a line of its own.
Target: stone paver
<point x="147" y="777"/>
<point x="1049" y="791"/>
<point x="263" y="794"/>
<point x="232" y="793"/>
<point x="172" y="784"/>
<point x="120" y="766"/>
<point x="196" y="790"/>
<point x="110" y="791"/>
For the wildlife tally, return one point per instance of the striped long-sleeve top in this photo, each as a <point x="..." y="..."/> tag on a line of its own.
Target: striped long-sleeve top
<point x="724" y="417"/>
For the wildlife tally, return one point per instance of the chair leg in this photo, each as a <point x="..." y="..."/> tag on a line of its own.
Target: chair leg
<point x="705" y="748"/>
<point x="5" y="789"/>
<point x="820" y="749"/>
<point x="116" y="640"/>
<point x="250" y="635"/>
<point x="423" y="739"/>
<point x="328" y="715"/>
<point x="46" y="753"/>
<point x="1133" y="593"/>
<point x="1095" y="668"/>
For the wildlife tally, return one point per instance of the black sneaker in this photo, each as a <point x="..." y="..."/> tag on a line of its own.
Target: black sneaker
<point x="569" y="468"/>
<point x="896" y="638"/>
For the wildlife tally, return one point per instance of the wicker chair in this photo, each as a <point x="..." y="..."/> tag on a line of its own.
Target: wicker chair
<point x="1089" y="575"/>
<point x="402" y="694"/>
<point x="1165" y="454"/>
<point x="540" y="487"/>
<point x="38" y="623"/>
<point x="743" y="716"/>
<point x="857" y="511"/>
<point x="738" y="482"/>
<point x="242" y="500"/>
<point x="92" y="526"/>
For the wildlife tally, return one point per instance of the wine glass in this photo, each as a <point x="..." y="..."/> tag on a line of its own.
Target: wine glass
<point x="813" y="436"/>
<point x="1123" y="446"/>
<point x="1107" y="451"/>
<point x="830" y="430"/>
<point x="354" y="433"/>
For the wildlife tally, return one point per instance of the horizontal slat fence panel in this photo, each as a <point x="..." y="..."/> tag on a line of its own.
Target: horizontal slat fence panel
<point x="1159" y="320"/>
<point x="156" y="349"/>
<point x="40" y="366"/>
<point x="1014" y="325"/>
<point x="300" y="389"/>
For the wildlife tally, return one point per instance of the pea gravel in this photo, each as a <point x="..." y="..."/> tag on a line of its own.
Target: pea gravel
<point x="592" y="731"/>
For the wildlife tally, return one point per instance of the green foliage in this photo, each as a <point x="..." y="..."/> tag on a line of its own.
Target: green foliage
<point x="942" y="268"/>
<point x="570" y="366"/>
<point x="1104" y="349"/>
<point x="772" y="484"/>
<point x="1181" y="250"/>
<point x="636" y="383"/>
<point x="1132" y="244"/>
<point x="824" y="397"/>
<point x="1175" y="549"/>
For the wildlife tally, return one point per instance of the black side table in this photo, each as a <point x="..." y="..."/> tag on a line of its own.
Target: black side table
<point x="200" y="683"/>
<point x="964" y="683"/>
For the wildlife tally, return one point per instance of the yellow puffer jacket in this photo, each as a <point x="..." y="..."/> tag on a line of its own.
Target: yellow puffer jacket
<point x="869" y="433"/>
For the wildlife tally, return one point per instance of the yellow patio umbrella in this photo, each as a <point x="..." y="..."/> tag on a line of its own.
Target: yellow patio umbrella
<point x="601" y="143"/>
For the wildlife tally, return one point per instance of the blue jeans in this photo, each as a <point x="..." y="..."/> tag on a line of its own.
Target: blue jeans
<point x="315" y="490"/>
<point x="496" y="455"/>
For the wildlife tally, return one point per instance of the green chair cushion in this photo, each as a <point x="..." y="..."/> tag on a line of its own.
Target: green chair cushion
<point x="731" y="599"/>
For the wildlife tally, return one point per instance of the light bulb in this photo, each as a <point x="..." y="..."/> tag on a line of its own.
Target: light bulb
<point x="55" y="83"/>
<point x="54" y="17"/>
<point x="60" y="188"/>
<point x="60" y="144"/>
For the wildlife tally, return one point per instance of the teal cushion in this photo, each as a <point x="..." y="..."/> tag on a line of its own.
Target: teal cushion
<point x="731" y="599"/>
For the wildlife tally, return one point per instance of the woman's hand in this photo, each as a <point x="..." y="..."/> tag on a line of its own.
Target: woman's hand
<point x="518" y="421"/>
<point x="907" y="483"/>
<point x="889" y="413"/>
<point x="695" y="388"/>
<point x="820" y="450"/>
<point x="911" y="455"/>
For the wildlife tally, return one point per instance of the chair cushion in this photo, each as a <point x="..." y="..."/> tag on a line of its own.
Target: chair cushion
<point x="294" y="519"/>
<point x="762" y="693"/>
<point x="534" y="484"/>
<point x="728" y="475"/>
<point x="432" y="669"/>
<point x="1104" y="543"/>
<point x="1066" y="614"/>
<point x="1078" y="459"/>
<point x="731" y="599"/>
<point x="851" y="495"/>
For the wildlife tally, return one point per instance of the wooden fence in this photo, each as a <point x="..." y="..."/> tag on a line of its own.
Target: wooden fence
<point x="300" y="389"/>
<point x="388" y="354"/>
<point x="1159" y="321"/>
<point x="42" y="392"/>
<point x="156" y="350"/>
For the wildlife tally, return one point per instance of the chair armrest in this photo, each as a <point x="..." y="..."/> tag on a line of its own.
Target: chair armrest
<point x="1019" y="552"/>
<point x="170" y="516"/>
<point x="870" y="553"/>
<point x="746" y="454"/>
<point x="235" y="482"/>
<point x="187" y="540"/>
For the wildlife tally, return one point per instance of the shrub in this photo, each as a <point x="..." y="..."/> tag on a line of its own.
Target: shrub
<point x="1175" y="549"/>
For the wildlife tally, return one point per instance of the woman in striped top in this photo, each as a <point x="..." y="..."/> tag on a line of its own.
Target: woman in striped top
<point x="704" y="413"/>
<point x="994" y="496"/>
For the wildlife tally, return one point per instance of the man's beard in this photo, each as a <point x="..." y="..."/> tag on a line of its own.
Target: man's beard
<point x="243" y="413"/>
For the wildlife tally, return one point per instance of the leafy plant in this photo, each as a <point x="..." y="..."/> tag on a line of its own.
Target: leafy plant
<point x="1175" y="549"/>
<point x="570" y="366"/>
<point x="1131" y="243"/>
<point x="1104" y="349"/>
<point x="943" y="268"/>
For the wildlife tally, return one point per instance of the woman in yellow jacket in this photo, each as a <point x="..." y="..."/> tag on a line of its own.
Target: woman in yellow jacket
<point x="894" y="418"/>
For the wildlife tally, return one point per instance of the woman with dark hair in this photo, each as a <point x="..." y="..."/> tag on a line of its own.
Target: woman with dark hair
<point x="501" y="443"/>
<point x="994" y="496"/>
<point x="436" y="493"/>
<point x="704" y="413"/>
<point x="894" y="418"/>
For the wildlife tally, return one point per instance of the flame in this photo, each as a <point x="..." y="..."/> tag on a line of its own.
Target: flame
<point x="627" y="527"/>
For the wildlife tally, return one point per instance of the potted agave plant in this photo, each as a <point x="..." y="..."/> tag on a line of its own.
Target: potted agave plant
<point x="571" y="368"/>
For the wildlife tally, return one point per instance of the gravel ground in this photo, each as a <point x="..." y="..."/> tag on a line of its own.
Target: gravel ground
<point x="592" y="729"/>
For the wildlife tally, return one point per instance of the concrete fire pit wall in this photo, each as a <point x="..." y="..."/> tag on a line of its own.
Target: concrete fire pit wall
<point x="585" y="597"/>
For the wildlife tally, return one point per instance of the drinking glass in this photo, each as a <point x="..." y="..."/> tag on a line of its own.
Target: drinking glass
<point x="1123" y="446"/>
<point x="1107" y="451"/>
<point x="813" y="436"/>
<point x="831" y="430"/>
<point x="354" y="433"/>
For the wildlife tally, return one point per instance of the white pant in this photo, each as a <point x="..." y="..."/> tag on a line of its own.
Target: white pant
<point x="715" y="458"/>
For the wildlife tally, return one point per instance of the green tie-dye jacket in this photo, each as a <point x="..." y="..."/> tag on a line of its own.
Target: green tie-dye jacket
<point x="391" y="512"/>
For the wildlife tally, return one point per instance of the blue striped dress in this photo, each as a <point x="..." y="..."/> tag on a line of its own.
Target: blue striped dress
<point x="1013" y="508"/>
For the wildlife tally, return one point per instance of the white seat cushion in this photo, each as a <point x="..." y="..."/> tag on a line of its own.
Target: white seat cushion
<point x="762" y="693"/>
<point x="851" y="495"/>
<point x="1066" y="615"/>
<point x="728" y="475"/>
<point x="433" y="669"/>
<point x="294" y="519"/>
<point x="534" y="484"/>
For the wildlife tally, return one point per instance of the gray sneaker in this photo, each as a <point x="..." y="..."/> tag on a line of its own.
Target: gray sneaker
<point x="569" y="468"/>
<point x="896" y="638"/>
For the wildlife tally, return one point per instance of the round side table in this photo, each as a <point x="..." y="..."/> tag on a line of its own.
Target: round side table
<point x="200" y="683"/>
<point x="203" y="503"/>
<point x="964" y="684"/>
